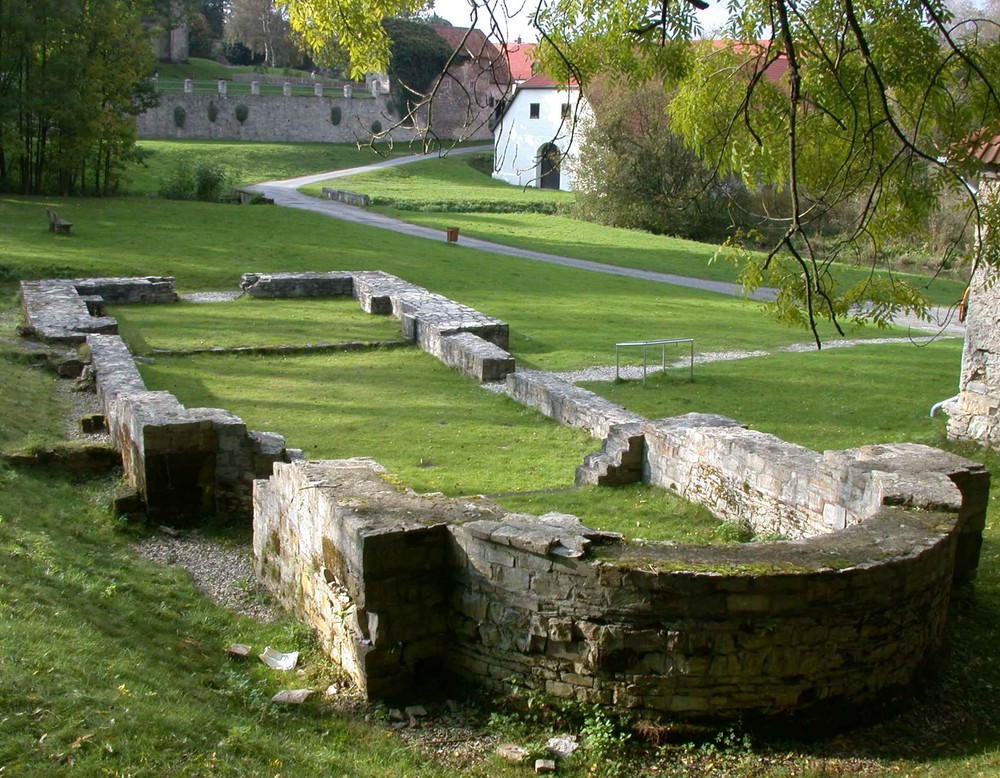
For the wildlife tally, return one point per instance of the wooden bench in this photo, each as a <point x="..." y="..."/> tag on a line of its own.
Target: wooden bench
<point x="56" y="224"/>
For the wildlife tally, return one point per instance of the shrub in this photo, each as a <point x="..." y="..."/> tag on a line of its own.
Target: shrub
<point x="335" y="115"/>
<point x="376" y="127"/>
<point x="207" y="181"/>
<point x="242" y="112"/>
<point x="180" y="116"/>
<point x="213" y="111"/>
<point x="471" y="206"/>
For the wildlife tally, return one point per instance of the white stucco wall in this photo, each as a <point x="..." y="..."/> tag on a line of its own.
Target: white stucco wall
<point x="518" y="138"/>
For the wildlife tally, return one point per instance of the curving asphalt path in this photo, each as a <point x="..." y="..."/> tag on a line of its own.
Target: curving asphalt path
<point x="285" y="192"/>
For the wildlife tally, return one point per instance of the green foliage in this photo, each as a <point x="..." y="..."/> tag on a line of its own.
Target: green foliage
<point x="74" y="78"/>
<point x="335" y="115"/>
<point x="213" y="111"/>
<point x="241" y="112"/>
<point x="375" y="127"/>
<point x="180" y="116"/>
<point x="354" y="26"/>
<point x="418" y="57"/>
<point x="634" y="172"/>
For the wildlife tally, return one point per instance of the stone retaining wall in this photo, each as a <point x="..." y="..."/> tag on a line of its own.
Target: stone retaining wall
<point x="778" y="488"/>
<point x="271" y="118"/>
<point x="349" y="198"/>
<point x="397" y="584"/>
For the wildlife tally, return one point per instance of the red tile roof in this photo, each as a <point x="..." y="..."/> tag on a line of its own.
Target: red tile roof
<point x="520" y="59"/>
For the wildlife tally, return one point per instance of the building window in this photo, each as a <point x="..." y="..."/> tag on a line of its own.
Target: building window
<point x="565" y="111"/>
<point x="533" y="111"/>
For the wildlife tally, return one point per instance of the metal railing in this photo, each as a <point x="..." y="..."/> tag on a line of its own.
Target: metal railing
<point x="645" y="344"/>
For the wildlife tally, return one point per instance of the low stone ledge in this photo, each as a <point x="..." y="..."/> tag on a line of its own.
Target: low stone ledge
<point x="305" y="348"/>
<point x="566" y="403"/>
<point x="307" y="284"/>
<point x="126" y="291"/>
<point x="475" y="357"/>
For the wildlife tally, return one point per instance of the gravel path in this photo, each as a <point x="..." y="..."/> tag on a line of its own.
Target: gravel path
<point x="220" y="571"/>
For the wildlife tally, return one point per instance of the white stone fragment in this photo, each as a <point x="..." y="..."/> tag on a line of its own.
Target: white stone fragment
<point x="279" y="661"/>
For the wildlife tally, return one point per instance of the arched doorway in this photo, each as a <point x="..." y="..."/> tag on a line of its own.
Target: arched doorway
<point x="548" y="166"/>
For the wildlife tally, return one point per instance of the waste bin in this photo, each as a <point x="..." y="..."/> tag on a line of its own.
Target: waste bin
<point x="453" y="234"/>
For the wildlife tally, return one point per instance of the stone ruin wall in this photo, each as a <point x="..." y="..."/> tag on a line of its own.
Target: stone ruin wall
<point x="397" y="584"/>
<point x="184" y="463"/>
<point x="975" y="413"/>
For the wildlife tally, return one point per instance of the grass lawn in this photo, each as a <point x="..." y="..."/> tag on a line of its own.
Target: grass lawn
<point x="249" y="322"/>
<point x="837" y="398"/>
<point x="560" y="319"/>
<point x="427" y="424"/>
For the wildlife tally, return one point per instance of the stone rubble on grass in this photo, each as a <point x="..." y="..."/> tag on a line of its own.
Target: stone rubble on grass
<point x="512" y="752"/>
<point x="292" y="696"/>
<point x="239" y="650"/>
<point x="545" y="765"/>
<point x="562" y="746"/>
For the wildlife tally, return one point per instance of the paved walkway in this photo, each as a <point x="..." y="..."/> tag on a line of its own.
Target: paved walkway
<point x="285" y="193"/>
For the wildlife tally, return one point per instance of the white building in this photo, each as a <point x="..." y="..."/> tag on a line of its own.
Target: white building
<point x="536" y="136"/>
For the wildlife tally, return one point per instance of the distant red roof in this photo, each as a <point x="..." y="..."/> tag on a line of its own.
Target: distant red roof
<point x="542" y="81"/>
<point x="987" y="151"/>
<point x="520" y="59"/>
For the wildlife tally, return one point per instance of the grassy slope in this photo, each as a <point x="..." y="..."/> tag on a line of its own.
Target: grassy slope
<point x="435" y="181"/>
<point x="244" y="162"/>
<point x="453" y="181"/>
<point x="200" y="69"/>
<point x="68" y="612"/>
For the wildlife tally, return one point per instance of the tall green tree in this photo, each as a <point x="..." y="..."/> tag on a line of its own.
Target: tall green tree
<point x="72" y="79"/>
<point x="634" y="172"/>
<point x="865" y="105"/>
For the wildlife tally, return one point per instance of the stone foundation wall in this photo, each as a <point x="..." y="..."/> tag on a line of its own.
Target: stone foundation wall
<point x="807" y="627"/>
<point x="778" y="488"/>
<point x="975" y="413"/>
<point x="184" y="463"/>
<point x="568" y="404"/>
<point x="460" y="336"/>
<point x="66" y="310"/>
